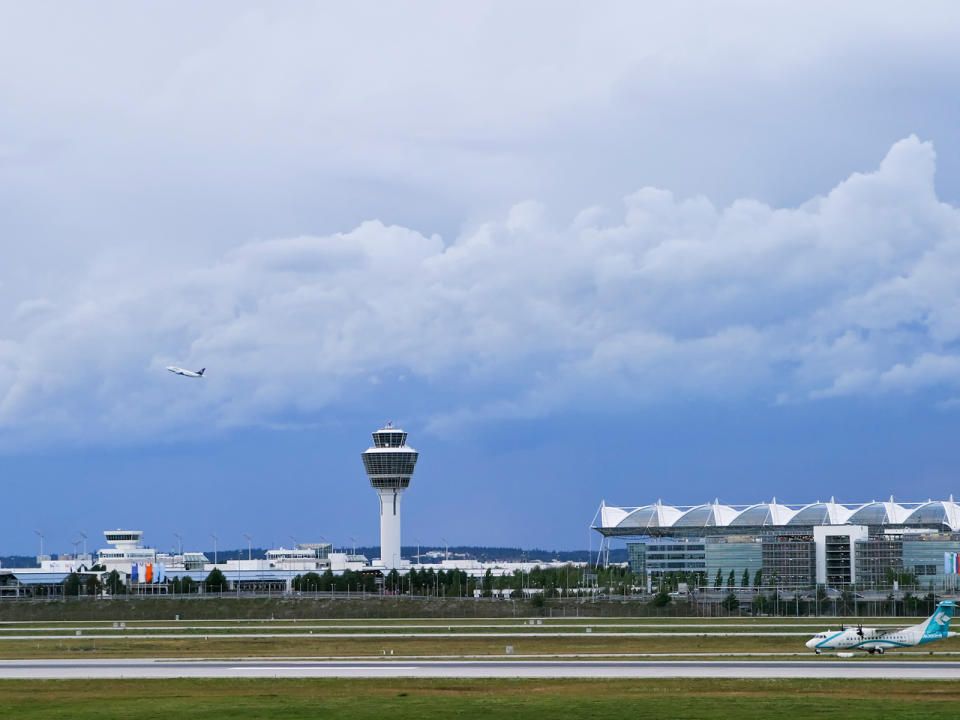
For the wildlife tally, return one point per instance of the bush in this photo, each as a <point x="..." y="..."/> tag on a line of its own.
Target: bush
<point x="661" y="599"/>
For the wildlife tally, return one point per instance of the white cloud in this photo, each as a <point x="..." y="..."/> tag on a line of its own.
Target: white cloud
<point x="850" y="293"/>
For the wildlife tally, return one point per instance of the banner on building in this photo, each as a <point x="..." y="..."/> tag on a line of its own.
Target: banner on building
<point x="951" y="563"/>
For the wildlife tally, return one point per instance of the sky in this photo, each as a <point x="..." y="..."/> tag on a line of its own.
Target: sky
<point x="591" y="252"/>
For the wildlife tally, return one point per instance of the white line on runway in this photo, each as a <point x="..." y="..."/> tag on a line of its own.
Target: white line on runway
<point x="325" y="668"/>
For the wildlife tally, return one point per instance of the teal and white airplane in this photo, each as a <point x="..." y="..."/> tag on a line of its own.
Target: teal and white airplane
<point x="878" y="640"/>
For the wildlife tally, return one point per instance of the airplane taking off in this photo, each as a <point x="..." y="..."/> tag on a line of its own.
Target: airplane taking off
<point x="877" y="640"/>
<point x="186" y="373"/>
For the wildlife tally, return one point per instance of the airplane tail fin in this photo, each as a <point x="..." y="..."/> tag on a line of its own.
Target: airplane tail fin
<point x="200" y="372"/>
<point x="938" y="625"/>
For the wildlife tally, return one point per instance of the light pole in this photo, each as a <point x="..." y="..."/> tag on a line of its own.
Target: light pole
<point x="249" y="538"/>
<point x="215" y="538"/>
<point x="354" y="541"/>
<point x="418" y="550"/>
<point x="446" y="549"/>
<point x="84" y="536"/>
<point x="179" y="538"/>
<point x="38" y="532"/>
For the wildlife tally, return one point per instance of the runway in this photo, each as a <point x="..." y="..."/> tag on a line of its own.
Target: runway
<point x="260" y="668"/>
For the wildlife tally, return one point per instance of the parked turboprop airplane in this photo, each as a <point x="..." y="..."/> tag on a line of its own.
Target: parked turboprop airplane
<point x="188" y="373"/>
<point x="876" y="640"/>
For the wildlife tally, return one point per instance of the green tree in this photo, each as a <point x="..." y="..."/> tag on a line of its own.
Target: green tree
<point x="488" y="584"/>
<point x="216" y="582"/>
<point x="731" y="579"/>
<point x="310" y="581"/>
<point x="730" y="602"/>
<point x="71" y="585"/>
<point x="758" y="578"/>
<point x="745" y="580"/>
<point x="538" y="601"/>
<point x="718" y="580"/>
<point x="114" y="583"/>
<point x="326" y="581"/>
<point x="93" y="585"/>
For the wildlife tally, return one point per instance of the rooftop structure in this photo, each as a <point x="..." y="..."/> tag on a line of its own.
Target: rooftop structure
<point x="659" y="520"/>
<point x="389" y="465"/>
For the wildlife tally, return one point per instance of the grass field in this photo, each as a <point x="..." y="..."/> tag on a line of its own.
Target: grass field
<point x="321" y="638"/>
<point x="529" y="699"/>
<point x="359" y="646"/>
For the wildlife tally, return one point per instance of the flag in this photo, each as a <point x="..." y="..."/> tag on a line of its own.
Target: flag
<point x="133" y="573"/>
<point x="149" y="574"/>
<point x="161" y="572"/>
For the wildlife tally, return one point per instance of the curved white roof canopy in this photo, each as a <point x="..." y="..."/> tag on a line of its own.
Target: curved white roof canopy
<point x="712" y="515"/>
<point x="651" y="516"/>
<point x="938" y="512"/>
<point x="933" y="514"/>
<point x="821" y="513"/>
<point x="879" y="513"/>
<point x="762" y="514"/>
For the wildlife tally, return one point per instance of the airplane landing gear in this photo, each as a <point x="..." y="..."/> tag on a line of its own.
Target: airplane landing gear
<point x="880" y="651"/>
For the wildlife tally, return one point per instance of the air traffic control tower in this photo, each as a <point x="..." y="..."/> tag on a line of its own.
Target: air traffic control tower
<point x="390" y="463"/>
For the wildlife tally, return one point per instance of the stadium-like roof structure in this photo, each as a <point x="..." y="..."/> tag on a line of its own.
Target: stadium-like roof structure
<point x="659" y="519"/>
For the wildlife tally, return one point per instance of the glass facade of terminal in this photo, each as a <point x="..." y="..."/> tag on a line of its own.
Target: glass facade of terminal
<point x="789" y="560"/>
<point x="737" y="553"/>
<point x="923" y="556"/>
<point x="662" y="556"/>
<point x="876" y="559"/>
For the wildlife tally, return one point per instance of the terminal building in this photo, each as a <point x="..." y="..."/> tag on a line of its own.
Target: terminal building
<point x="791" y="546"/>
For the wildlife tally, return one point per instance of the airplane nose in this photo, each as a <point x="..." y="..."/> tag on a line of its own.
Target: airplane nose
<point x="811" y="642"/>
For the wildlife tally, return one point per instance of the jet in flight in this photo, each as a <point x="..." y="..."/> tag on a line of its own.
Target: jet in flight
<point x="877" y="640"/>
<point x="186" y="373"/>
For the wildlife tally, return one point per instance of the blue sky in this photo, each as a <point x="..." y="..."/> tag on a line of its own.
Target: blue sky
<point x="619" y="252"/>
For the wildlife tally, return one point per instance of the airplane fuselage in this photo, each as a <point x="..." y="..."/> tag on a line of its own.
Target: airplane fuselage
<point x="185" y="373"/>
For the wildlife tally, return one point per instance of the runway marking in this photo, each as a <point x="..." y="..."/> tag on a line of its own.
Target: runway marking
<point x="323" y="668"/>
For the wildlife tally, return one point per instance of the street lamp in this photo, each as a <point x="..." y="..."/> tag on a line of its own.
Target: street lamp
<point x="249" y="538"/>
<point x="354" y="541"/>
<point x="179" y="538"/>
<point x="38" y="532"/>
<point x="84" y="536"/>
<point x="215" y="538"/>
